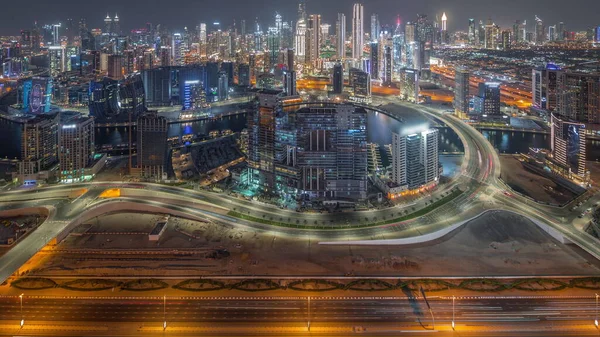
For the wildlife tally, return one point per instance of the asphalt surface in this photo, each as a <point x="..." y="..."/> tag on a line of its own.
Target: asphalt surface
<point x="381" y="314"/>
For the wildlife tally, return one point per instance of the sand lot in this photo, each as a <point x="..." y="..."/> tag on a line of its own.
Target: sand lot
<point x="497" y="244"/>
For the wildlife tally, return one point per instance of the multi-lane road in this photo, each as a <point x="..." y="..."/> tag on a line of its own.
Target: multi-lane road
<point x="338" y="315"/>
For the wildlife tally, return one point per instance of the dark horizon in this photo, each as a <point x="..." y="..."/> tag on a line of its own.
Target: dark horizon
<point x="176" y="14"/>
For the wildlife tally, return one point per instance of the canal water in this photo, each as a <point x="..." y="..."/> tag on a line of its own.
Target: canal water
<point x="379" y="130"/>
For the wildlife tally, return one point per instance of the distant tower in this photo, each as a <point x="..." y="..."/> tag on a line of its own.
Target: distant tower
<point x="340" y="32"/>
<point x="444" y="21"/>
<point x="358" y="31"/>
<point x="108" y="23"/>
<point x="116" y="26"/>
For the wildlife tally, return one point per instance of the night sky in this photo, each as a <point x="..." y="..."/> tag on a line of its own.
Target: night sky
<point x="576" y="14"/>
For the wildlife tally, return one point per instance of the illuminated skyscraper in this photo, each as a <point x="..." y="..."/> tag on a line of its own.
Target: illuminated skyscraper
<point x="358" y="34"/>
<point x="313" y="41"/>
<point x="116" y="30"/>
<point x="472" y="32"/>
<point x="340" y="31"/>
<point x="338" y="78"/>
<point x="461" y="91"/>
<point x="57" y="58"/>
<point x="177" y="50"/>
<point x="75" y="149"/>
<point x="152" y="145"/>
<point x="387" y="65"/>
<point x="415" y="159"/>
<point x="487" y="102"/>
<point x="374" y="70"/>
<point x="544" y="87"/>
<point x="300" y="38"/>
<point x="540" y="31"/>
<point x="375" y="27"/>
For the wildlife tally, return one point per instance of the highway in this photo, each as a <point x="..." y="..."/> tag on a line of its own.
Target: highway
<point x="378" y="315"/>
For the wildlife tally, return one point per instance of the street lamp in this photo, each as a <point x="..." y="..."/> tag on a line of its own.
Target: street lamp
<point x="452" y="312"/>
<point x="23" y="319"/>
<point x="309" y="312"/>
<point x="164" y="312"/>
<point x="596" y="320"/>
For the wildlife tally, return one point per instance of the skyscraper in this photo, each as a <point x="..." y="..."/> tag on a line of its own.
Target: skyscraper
<point x="177" y="50"/>
<point x="375" y="27"/>
<point x="472" y="33"/>
<point x="461" y="91"/>
<point x="300" y="37"/>
<point x="487" y="101"/>
<point x="578" y="97"/>
<point x="387" y="65"/>
<point x="357" y="31"/>
<point x="152" y="145"/>
<point x="568" y="144"/>
<point x="540" y="32"/>
<point x="544" y="86"/>
<point x="75" y="148"/>
<point x="444" y="31"/>
<point x="415" y="159"/>
<point x="313" y="41"/>
<point x="340" y="31"/>
<point x="261" y="144"/>
<point x="57" y="59"/>
<point x="338" y="78"/>
<point x="374" y="71"/>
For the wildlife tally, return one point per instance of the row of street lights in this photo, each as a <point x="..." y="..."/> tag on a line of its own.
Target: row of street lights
<point x="308" y="323"/>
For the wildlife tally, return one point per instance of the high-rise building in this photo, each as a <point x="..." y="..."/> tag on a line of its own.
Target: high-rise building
<point x="58" y="60"/>
<point x="540" y="31"/>
<point x="461" y="91"/>
<point x="321" y="152"/>
<point x="444" y="32"/>
<point x="108" y="25"/>
<point x="340" y="31"/>
<point x="177" y="50"/>
<point x="358" y="34"/>
<point x="506" y="40"/>
<point x="472" y="32"/>
<point x="290" y="60"/>
<point x="223" y="86"/>
<point x="374" y="65"/>
<point x="375" y="27"/>
<point x="568" y="144"/>
<point x="33" y="143"/>
<point x="244" y="75"/>
<point x="487" y="102"/>
<point x="409" y="84"/>
<point x="300" y="37"/>
<point x="116" y="26"/>
<point x="313" y="41"/>
<point x="360" y="84"/>
<point x="290" y="83"/>
<point x="152" y="145"/>
<point x="338" y="79"/>
<point x="387" y="65"/>
<point x="75" y="149"/>
<point x="115" y="67"/>
<point x="578" y="97"/>
<point x="415" y="159"/>
<point x="261" y="144"/>
<point x="544" y="87"/>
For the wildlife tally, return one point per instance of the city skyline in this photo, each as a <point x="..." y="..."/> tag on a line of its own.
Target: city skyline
<point x="174" y="17"/>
